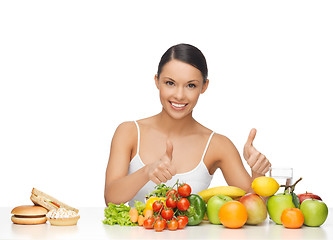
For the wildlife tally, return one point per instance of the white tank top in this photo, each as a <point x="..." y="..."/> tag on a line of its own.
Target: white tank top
<point x="198" y="178"/>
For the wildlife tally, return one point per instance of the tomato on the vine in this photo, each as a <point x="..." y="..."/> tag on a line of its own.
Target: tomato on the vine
<point x="160" y="225"/>
<point x="184" y="217"/>
<point x="157" y="205"/>
<point x="171" y="202"/>
<point x="172" y="192"/>
<point x="173" y="225"/>
<point x="167" y="214"/>
<point x="182" y="221"/>
<point x="183" y="204"/>
<point x="148" y="223"/>
<point x="184" y="190"/>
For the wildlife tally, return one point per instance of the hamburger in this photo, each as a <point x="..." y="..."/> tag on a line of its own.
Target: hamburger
<point x="29" y="215"/>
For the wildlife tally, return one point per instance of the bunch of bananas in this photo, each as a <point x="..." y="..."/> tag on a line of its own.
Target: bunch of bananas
<point x="231" y="191"/>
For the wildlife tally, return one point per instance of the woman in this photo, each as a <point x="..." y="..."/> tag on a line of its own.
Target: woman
<point x="172" y="144"/>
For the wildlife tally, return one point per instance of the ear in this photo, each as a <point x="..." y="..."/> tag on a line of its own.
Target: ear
<point x="156" y="82"/>
<point x="205" y="86"/>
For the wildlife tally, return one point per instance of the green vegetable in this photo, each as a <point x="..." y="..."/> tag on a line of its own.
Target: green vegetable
<point x="196" y="210"/>
<point x="140" y="206"/>
<point x="118" y="214"/>
<point x="161" y="191"/>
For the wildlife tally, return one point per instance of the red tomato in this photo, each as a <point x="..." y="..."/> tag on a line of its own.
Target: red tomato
<point x="148" y="223"/>
<point x="184" y="190"/>
<point x="159" y="225"/>
<point x="173" y="225"/>
<point x="167" y="214"/>
<point x="172" y="192"/>
<point x="171" y="202"/>
<point x="182" y="221"/>
<point x="157" y="205"/>
<point x="183" y="204"/>
<point x="185" y="218"/>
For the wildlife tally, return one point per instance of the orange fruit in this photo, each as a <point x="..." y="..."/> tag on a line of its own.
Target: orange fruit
<point x="292" y="218"/>
<point x="233" y="214"/>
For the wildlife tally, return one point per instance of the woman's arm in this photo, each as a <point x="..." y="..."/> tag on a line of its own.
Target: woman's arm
<point x="120" y="187"/>
<point x="229" y="161"/>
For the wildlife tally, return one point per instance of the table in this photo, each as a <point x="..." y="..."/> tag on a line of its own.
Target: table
<point x="90" y="226"/>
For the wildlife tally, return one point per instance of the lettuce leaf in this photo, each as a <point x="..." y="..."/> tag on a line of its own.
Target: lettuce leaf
<point x="140" y="206"/>
<point x="118" y="214"/>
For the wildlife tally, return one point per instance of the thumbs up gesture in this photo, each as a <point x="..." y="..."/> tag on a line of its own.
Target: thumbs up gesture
<point x="163" y="169"/>
<point x="256" y="160"/>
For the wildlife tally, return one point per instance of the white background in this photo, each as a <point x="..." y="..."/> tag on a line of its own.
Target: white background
<point x="72" y="71"/>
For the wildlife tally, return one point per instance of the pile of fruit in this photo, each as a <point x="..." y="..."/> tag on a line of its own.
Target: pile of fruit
<point x="169" y="208"/>
<point x="287" y="208"/>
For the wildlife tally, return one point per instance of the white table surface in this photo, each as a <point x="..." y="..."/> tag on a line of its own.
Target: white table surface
<point x="90" y="226"/>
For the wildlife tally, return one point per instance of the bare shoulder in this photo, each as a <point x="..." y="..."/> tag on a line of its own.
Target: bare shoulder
<point x="222" y="146"/>
<point x="126" y="133"/>
<point x="221" y="139"/>
<point x="149" y="121"/>
<point x="127" y="127"/>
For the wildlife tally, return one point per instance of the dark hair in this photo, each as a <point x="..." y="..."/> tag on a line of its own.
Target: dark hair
<point x="187" y="54"/>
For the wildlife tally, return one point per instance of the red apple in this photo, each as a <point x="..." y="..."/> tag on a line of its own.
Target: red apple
<point x="307" y="195"/>
<point x="255" y="207"/>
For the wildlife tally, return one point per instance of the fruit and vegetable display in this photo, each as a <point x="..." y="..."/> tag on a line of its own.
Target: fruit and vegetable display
<point x="176" y="207"/>
<point x="169" y="208"/>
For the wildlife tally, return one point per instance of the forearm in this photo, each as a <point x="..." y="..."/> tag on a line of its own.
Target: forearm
<point x="124" y="189"/>
<point x="254" y="175"/>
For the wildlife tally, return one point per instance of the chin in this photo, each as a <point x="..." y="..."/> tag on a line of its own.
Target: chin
<point x="178" y="115"/>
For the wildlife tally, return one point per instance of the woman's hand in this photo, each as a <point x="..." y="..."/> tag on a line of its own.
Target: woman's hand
<point x="257" y="161"/>
<point x="163" y="169"/>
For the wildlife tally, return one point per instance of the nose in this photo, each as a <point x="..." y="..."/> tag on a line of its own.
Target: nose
<point x="179" y="94"/>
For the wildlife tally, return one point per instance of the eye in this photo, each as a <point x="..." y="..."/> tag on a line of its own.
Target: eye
<point x="191" y="85"/>
<point x="169" y="83"/>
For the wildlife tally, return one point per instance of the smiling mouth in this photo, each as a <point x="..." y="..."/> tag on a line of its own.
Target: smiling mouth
<point x="178" y="105"/>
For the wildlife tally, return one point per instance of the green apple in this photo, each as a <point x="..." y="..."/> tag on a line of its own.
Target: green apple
<point x="213" y="207"/>
<point x="277" y="203"/>
<point x="315" y="212"/>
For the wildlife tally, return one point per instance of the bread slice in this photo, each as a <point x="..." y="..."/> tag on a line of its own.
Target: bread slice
<point x="47" y="201"/>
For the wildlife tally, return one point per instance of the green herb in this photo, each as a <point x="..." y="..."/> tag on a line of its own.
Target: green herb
<point x="140" y="206"/>
<point x="118" y="214"/>
<point x="161" y="191"/>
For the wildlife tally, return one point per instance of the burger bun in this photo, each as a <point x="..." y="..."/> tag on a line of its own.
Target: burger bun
<point x="29" y="215"/>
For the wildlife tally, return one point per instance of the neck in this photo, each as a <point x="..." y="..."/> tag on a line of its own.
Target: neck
<point x="173" y="127"/>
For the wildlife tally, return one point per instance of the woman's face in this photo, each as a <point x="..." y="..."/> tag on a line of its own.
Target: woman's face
<point x="180" y="86"/>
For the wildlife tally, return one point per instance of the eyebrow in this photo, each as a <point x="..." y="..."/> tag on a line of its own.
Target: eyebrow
<point x="194" y="80"/>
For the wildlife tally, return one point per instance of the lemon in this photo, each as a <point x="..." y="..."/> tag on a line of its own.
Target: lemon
<point x="265" y="186"/>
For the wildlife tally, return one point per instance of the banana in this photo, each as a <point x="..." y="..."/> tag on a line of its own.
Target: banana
<point x="231" y="191"/>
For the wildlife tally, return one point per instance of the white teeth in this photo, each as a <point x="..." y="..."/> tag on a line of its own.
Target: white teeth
<point x="178" y="105"/>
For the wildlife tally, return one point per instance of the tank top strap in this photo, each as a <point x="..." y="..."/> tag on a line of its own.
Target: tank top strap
<point x="204" y="153"/>
<point x="138" y="145"/>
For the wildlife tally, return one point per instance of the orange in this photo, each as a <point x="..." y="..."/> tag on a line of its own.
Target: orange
<point x="233" y="214"/>
<point x="292" y="218"/>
